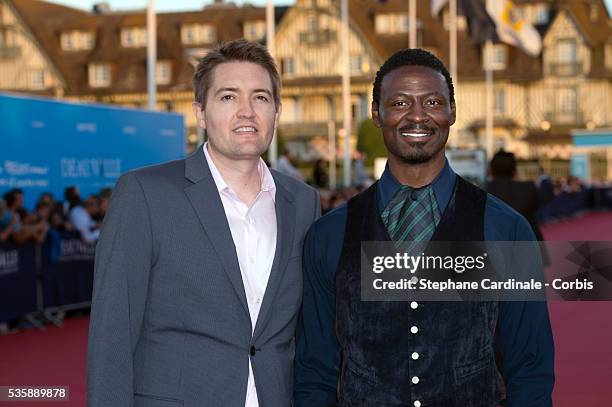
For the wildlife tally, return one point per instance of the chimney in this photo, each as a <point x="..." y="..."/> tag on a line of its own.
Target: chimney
<point x="101" y="8"/>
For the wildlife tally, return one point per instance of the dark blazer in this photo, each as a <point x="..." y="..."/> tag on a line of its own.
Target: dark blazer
<point x="170" y="324"/>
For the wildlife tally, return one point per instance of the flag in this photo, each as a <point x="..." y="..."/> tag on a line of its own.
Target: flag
<point x="436" y="6"/>
<point x="480" y="24"/>
<point x="513" y="30"/>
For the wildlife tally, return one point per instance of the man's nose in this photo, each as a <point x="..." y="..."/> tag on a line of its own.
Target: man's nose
<point x="416" y="113"/>
<point x="245" y="109"/>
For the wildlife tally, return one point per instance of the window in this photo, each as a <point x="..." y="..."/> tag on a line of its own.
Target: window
<point x="498" y="59"/>
<point x="134" y="37"/>
<point x="461" y="21"/>
<point x="312" y="23"/>
<point x="541" y="15"/>
<point x="38" y="79"/>
<point x="287" y="66"/>
<point x="163" y="73"/>
<point x="382" y="24"/>
<point x="499" y="101"/>
<point x="608" y="56"/>
<point x="403" y="23"/>
<point x="99" y="75"/>
<point x="197" y="34"/>
<point x="356" y="64"/>
<point x="567" y="100"/>
<point x="67" y="41"/>
<point x="254" y="30"/>
<point x="593" y="12"/>
<point x="566" y="51"/>
<point x="77" y="40"/>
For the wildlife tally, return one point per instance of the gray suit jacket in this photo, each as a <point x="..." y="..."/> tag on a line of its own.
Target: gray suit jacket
<point x="170" y="324"/>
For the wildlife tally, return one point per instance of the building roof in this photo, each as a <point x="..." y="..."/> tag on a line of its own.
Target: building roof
<point x="128" y="65"/>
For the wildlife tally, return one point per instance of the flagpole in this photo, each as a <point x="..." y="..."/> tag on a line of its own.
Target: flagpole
<point x="489" y="99"/>
<point x="151" y="55"/>
<point x="346" y="94"/>
<point x="453" y="61"/>
<point x="270" y="33"/>
<point x="331" y="143"/>
<point x="412" y="32"/>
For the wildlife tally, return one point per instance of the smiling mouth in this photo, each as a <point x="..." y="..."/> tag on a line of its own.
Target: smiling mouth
<point x="415" y="134"/>
<point x="245" y="129"/>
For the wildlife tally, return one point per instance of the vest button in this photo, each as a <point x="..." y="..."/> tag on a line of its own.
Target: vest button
<point x="252" y="351"/>
<point x="414" y="330"/>
<point x="414" y="305"/>
<point x="417" y="403"/>
<point x="415" y="356"/>
<point x="415" y="380"/>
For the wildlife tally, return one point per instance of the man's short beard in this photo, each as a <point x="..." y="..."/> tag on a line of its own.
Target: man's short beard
<point x="419" y="156"/>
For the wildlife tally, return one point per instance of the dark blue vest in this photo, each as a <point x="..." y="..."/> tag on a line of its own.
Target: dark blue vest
<point x="448" y="346"/>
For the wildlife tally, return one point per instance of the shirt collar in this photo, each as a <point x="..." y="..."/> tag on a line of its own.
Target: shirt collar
<point x="442" y="185"/>
<point x="267" y="181"/>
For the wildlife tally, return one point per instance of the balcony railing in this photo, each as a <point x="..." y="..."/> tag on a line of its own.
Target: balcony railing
<point x="9" y="52"/>
<point x="318" y="37"/>
<point x="566" y="68"/>
<point x="566" y="118"/>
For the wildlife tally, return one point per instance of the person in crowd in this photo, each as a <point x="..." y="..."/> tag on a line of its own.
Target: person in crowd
<point x="197" y="282"/>
<point x="81" y="217"/>
<point x="72" y="198"/>
<point x="24" y="229"/>
<point x="522" y="196"/>
<point x="386" y="353"/>
<point x="320" y="179"/>
<point x="286" y="164"/>
<point x="7" y="222"/>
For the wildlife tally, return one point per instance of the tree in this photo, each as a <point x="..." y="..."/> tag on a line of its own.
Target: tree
<point x="370" y="141"/>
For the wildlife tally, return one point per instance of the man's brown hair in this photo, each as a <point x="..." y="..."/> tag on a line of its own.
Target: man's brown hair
<point x="234" y="51"/>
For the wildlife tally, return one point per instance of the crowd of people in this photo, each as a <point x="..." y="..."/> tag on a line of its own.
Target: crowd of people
<point x="18" y="225"/>
<point x="51" y="216"/>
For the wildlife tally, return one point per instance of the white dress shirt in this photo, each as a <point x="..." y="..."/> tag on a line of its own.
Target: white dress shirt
<point x="254" y="233"/>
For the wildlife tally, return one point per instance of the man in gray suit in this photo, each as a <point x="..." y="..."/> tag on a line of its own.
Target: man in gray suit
<point x="198" y="277"/>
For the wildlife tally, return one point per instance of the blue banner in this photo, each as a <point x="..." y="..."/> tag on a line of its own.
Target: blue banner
<point x="68" y="279"/>
<point x="47" y="145"/>
<point x="17" y="281"/>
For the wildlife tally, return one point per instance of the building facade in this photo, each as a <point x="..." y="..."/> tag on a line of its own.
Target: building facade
<point x="100" y="56"/>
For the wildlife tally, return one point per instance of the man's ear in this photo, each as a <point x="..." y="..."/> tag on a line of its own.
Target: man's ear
<point x="376" y="115"/>
<point x="198" y="112"/>
<point x="277" y="115"/>
<point x="453" y="114"/>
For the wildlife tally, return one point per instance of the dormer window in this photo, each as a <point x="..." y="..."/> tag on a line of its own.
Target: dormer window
<point x="77" y="40"/>
<point x="163" y="73"/>
<point x="254" y="30"/>
<point x="197" y="34"/>
<point x="99" y="75"/>
<point x="498" y="59"/>
<point x="134" y="37"/>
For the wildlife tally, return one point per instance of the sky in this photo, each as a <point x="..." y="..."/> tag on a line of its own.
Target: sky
<point x="180" y="5"/>
<point x="160" y="5"/>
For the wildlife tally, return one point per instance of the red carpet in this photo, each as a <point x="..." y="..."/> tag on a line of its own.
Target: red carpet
<point x="582" y="330"/>
<point x="583" y="338"/>
<point x="51" y="357"/>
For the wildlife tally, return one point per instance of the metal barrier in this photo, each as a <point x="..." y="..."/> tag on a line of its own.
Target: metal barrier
<point x="41" y="282"/>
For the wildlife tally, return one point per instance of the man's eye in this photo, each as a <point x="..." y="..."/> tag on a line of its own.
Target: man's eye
<point x="399" y="103"/>
<point x="263" y="98"/>
<point x="433" y="102"/>
<point x="227" y="97"/>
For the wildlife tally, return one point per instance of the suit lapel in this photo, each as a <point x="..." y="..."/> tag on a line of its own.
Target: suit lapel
<point x="285" y="225"/>
<point x="206" y="202"/>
